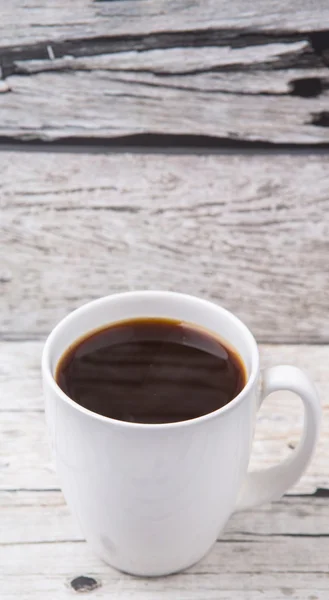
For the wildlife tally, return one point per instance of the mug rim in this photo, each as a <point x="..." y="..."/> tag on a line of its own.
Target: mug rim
<point x="49" y="378"/>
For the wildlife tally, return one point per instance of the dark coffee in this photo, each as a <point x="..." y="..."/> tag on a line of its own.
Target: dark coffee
<point x="151" y="371"/>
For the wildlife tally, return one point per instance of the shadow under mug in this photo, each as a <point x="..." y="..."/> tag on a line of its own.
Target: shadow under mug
<point x="152" y="499"/>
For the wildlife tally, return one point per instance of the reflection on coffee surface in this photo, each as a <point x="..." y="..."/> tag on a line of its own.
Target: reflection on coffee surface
<point x="151" y="370"/>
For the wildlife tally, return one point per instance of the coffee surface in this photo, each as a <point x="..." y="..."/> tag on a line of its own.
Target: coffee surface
<point x="151" y="371"/>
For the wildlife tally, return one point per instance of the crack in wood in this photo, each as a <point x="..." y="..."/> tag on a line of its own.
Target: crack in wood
<point x="293" y="60"/>
<point x="21" y="410"/>
<point x="319" y="493"/>
<point x="284" y="535"/>
<point x="43" y="542"/>
<point x="119" y="209"/>
<point x="141" y="81"/>
<point x="256" y="572"/>
<point x="29" y="490"/>
<point x="267" y="537"/>
<point x="232" y="38"/>
<point x="77" y="190"/>
<point x="161" y="143"/>
<point x="320" y="44"/>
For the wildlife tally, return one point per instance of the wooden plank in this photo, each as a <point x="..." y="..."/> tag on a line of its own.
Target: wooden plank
<point x="247" y="231"/>
<point x="25" y="459"/>
<point x="286" y="567"/>
<point x="38" y="517"/>
<point x="279" y="550"/>
<point x="112" y="69"/>
<point x="250" y="94"/>
<point x="43" y="517"/>
<point x="25" y="456"/>
<point x="29" y="22"/>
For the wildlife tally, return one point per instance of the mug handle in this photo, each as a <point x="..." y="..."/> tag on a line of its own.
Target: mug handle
<point x="269" y="484"/>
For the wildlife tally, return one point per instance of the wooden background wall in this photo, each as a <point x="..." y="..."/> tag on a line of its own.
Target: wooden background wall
<point x="223" y="70"/>
<point x="191" y="153"/>
<point x="172" y="144"/>
<point x="249" y="231"/>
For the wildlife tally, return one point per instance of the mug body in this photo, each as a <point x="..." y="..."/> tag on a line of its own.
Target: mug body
<point x="151" y="499"/>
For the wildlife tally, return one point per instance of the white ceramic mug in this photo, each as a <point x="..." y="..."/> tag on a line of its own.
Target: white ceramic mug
<point x="152" y="499"/>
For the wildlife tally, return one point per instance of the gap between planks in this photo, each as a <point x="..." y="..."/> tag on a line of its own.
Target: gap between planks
<point x="43" y="517"/>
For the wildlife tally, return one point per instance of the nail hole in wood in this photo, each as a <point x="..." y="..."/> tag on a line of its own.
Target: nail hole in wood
<point x="84" y="584"/>
<point x="320" y="119"/>
<point x="308" y="87"/>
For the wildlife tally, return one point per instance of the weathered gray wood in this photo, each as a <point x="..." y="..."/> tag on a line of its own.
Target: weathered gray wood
<point x="175" y="61"/>
<point x="43" y="517"/>
<point x="250" y="232"/>
<point x="279" y="568"/>
<point x="26" y="22"/>
<point x="279" y="550"/>
<point x="20" y="377"/>
<point x="25" y="460"/>
<point x="125" y="94"/>
<point x="108" y="70"/>
<point x="24" y="454"/>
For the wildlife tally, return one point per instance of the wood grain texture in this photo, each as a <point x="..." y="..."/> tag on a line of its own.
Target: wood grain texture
<point x="288" y="567"/>
<point x="28" y="21"/>
<point x="244" y="564"/>
<point x="43" y="517"/>
<point x="25" y="461"/>
<point x="128" y="94"/>
<point x="249" y="232"/>
<point x="278" y="550"/>
<point x="115" y="69"/>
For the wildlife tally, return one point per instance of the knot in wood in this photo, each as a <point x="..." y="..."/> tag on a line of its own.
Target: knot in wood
<point x="84" y="584"/>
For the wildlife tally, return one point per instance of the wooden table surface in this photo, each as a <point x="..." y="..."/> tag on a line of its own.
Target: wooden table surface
<point x="170" y="144"/>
